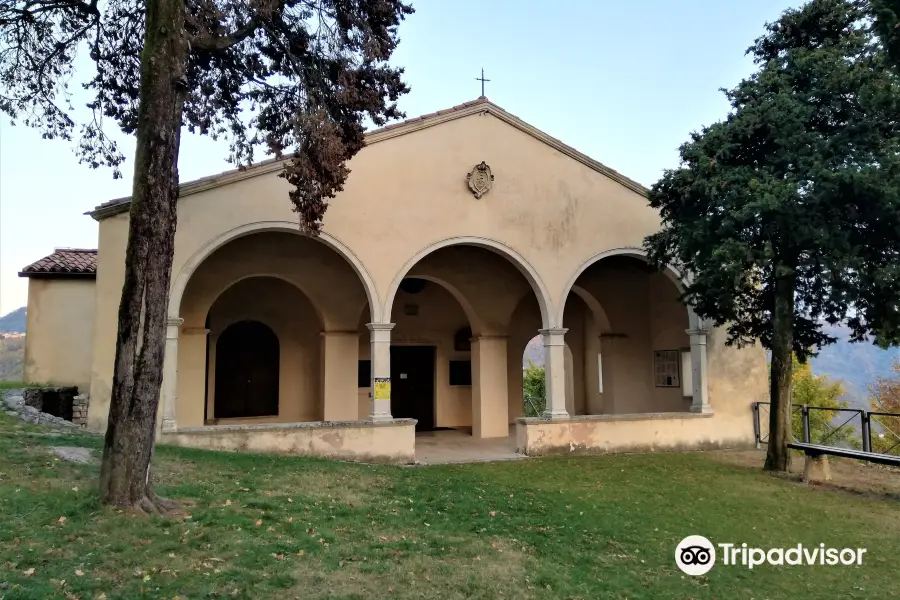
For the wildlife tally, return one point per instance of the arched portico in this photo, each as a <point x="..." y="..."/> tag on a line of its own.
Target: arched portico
<point x="649" y="348"/>
<point x="479" y="283"/>
<point x="315" y="294"/>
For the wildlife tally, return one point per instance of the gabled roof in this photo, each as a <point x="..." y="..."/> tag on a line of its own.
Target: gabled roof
<point x="64" y="262"/>
<point x="482" y="105"/>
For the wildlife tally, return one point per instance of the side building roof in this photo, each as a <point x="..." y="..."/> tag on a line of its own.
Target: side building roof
<point x="64" y="263"/>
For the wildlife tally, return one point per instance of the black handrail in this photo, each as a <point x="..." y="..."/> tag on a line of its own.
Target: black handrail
<point x="865" y="417"/>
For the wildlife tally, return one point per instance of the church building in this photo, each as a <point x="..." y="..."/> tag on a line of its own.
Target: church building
<point x="459" y="237"/>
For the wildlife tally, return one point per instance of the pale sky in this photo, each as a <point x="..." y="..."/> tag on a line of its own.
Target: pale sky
<point x="623" y="82"/>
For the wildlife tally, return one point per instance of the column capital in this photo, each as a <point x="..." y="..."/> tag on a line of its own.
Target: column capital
<point x="195" y="331"/>
<point x="380" y="326"/>
<point x="489" y="336"/>
<point x="174" y="321"/>
<point x="344" y="332"/>
<point x="698" y="336"/>
<point x="553" y="337"/>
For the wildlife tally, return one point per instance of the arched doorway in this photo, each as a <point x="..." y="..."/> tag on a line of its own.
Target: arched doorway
<point x="247" y="357"/>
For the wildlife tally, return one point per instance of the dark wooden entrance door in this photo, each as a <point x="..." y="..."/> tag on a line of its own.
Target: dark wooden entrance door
<point x="412" y="384"/>
<point x="247" y="356"/>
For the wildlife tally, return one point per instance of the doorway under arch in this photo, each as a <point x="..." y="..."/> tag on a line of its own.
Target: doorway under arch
<point x="247" y="371"/>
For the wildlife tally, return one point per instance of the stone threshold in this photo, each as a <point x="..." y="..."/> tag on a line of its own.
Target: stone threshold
<point x="623" y="417"/>
<point x="288" y="426"/>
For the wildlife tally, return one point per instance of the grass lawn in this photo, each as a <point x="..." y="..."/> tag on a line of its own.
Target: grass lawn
<point x="281" y="527"/>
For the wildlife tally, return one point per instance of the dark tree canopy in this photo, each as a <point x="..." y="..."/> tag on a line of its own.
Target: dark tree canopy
<point x="786" y="215"/>
<point x="293" y="77"/>
<point x="803" y="174"/>
<point x="886" y="15"/>
<point x="296" y="77"/>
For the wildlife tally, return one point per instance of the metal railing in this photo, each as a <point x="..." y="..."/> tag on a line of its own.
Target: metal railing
<point x="854" y="431"/>
<point x="534" y="407"/>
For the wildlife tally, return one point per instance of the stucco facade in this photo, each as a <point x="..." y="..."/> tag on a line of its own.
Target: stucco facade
<point x="410" y="259"/>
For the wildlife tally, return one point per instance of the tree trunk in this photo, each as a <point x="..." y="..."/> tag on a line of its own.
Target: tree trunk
<point x="777" y="457"/>
<point x="140" y="344"/>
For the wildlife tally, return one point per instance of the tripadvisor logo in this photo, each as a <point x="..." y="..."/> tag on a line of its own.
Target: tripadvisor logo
<point x="696" y="555"/>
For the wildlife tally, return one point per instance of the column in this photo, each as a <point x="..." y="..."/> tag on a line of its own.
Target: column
<point x="339" y="365"/>
<point x="700" y="403"/>
<point x="490" y="391"/>
<point x="380" y="389"/>
<point x="555" y="373"/>
<point x="170" y="375"/>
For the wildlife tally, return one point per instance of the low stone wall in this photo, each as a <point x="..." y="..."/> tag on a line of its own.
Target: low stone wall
<point x="80" y="409"/>
<point x="391" y="441"/>
<point x="650" y="432"/>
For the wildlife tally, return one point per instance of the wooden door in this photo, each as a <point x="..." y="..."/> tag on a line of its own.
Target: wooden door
<point x="247" y="357"/>
<point x="412" y="384"/>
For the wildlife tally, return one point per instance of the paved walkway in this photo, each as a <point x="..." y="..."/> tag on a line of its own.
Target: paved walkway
<point x="458" y="446"/>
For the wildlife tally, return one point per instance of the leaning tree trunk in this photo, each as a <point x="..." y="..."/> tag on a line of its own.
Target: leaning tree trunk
<point x="777" y="456"/>
<point x="125" y="473"/>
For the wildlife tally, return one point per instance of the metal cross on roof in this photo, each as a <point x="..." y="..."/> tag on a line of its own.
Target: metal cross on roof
<point x="482" y="80"/>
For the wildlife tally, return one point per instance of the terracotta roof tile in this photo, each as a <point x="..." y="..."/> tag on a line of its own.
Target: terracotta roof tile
<point x="64" y="261"/>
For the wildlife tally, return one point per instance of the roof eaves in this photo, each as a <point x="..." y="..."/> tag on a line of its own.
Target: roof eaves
<point x="480" y="105"/>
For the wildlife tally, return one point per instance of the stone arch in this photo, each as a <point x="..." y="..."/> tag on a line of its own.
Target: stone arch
<point x="595" y="308"/>
<point x="517" y="260"/>
<point x="474" y="321"/>
<point x="633" y="252"/>
<point x="293" y="284"/>
<point x="181" y="280"/>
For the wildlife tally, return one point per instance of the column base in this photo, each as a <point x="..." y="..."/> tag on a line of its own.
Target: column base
<point x="169" y="425"/>
<point x="701" y="408"/>
<point x="555" y="414"/>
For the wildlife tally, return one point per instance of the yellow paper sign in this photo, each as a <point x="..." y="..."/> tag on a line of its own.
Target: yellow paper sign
<point x="382" y="388"/>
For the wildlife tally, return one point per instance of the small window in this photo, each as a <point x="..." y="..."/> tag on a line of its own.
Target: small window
<point x="364" y="375"/>
<point x="460" y="372"/>
<point x="665" y="368"/>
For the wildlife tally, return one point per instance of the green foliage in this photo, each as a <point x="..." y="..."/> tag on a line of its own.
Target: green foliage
<point x="534" y="381"/>
<point x="559" y="527"/>
<point x="534" y="388"/>
<point x="818" y="391"/>
<point x="886" y="14"/>
<point x="802" y="181"/>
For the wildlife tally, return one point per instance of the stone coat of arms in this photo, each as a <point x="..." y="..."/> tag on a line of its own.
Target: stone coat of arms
<point x="480" y="179"/>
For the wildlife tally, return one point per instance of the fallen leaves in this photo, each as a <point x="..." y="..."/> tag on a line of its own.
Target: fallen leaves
<point x="79" y="572"/>
<point x="28" y="572"/>
<point x="61" y="520"/>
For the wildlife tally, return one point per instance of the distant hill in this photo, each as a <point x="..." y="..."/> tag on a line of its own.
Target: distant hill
<point x="14" y="322"/>
<point x="856" y="364"/>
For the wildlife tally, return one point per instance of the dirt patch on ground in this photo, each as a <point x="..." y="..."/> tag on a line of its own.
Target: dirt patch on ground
<point x="848" y="475"/>
<point x="497" y="570"/>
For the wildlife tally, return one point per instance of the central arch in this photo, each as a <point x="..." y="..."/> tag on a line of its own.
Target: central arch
<point x="548" y="318"/>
